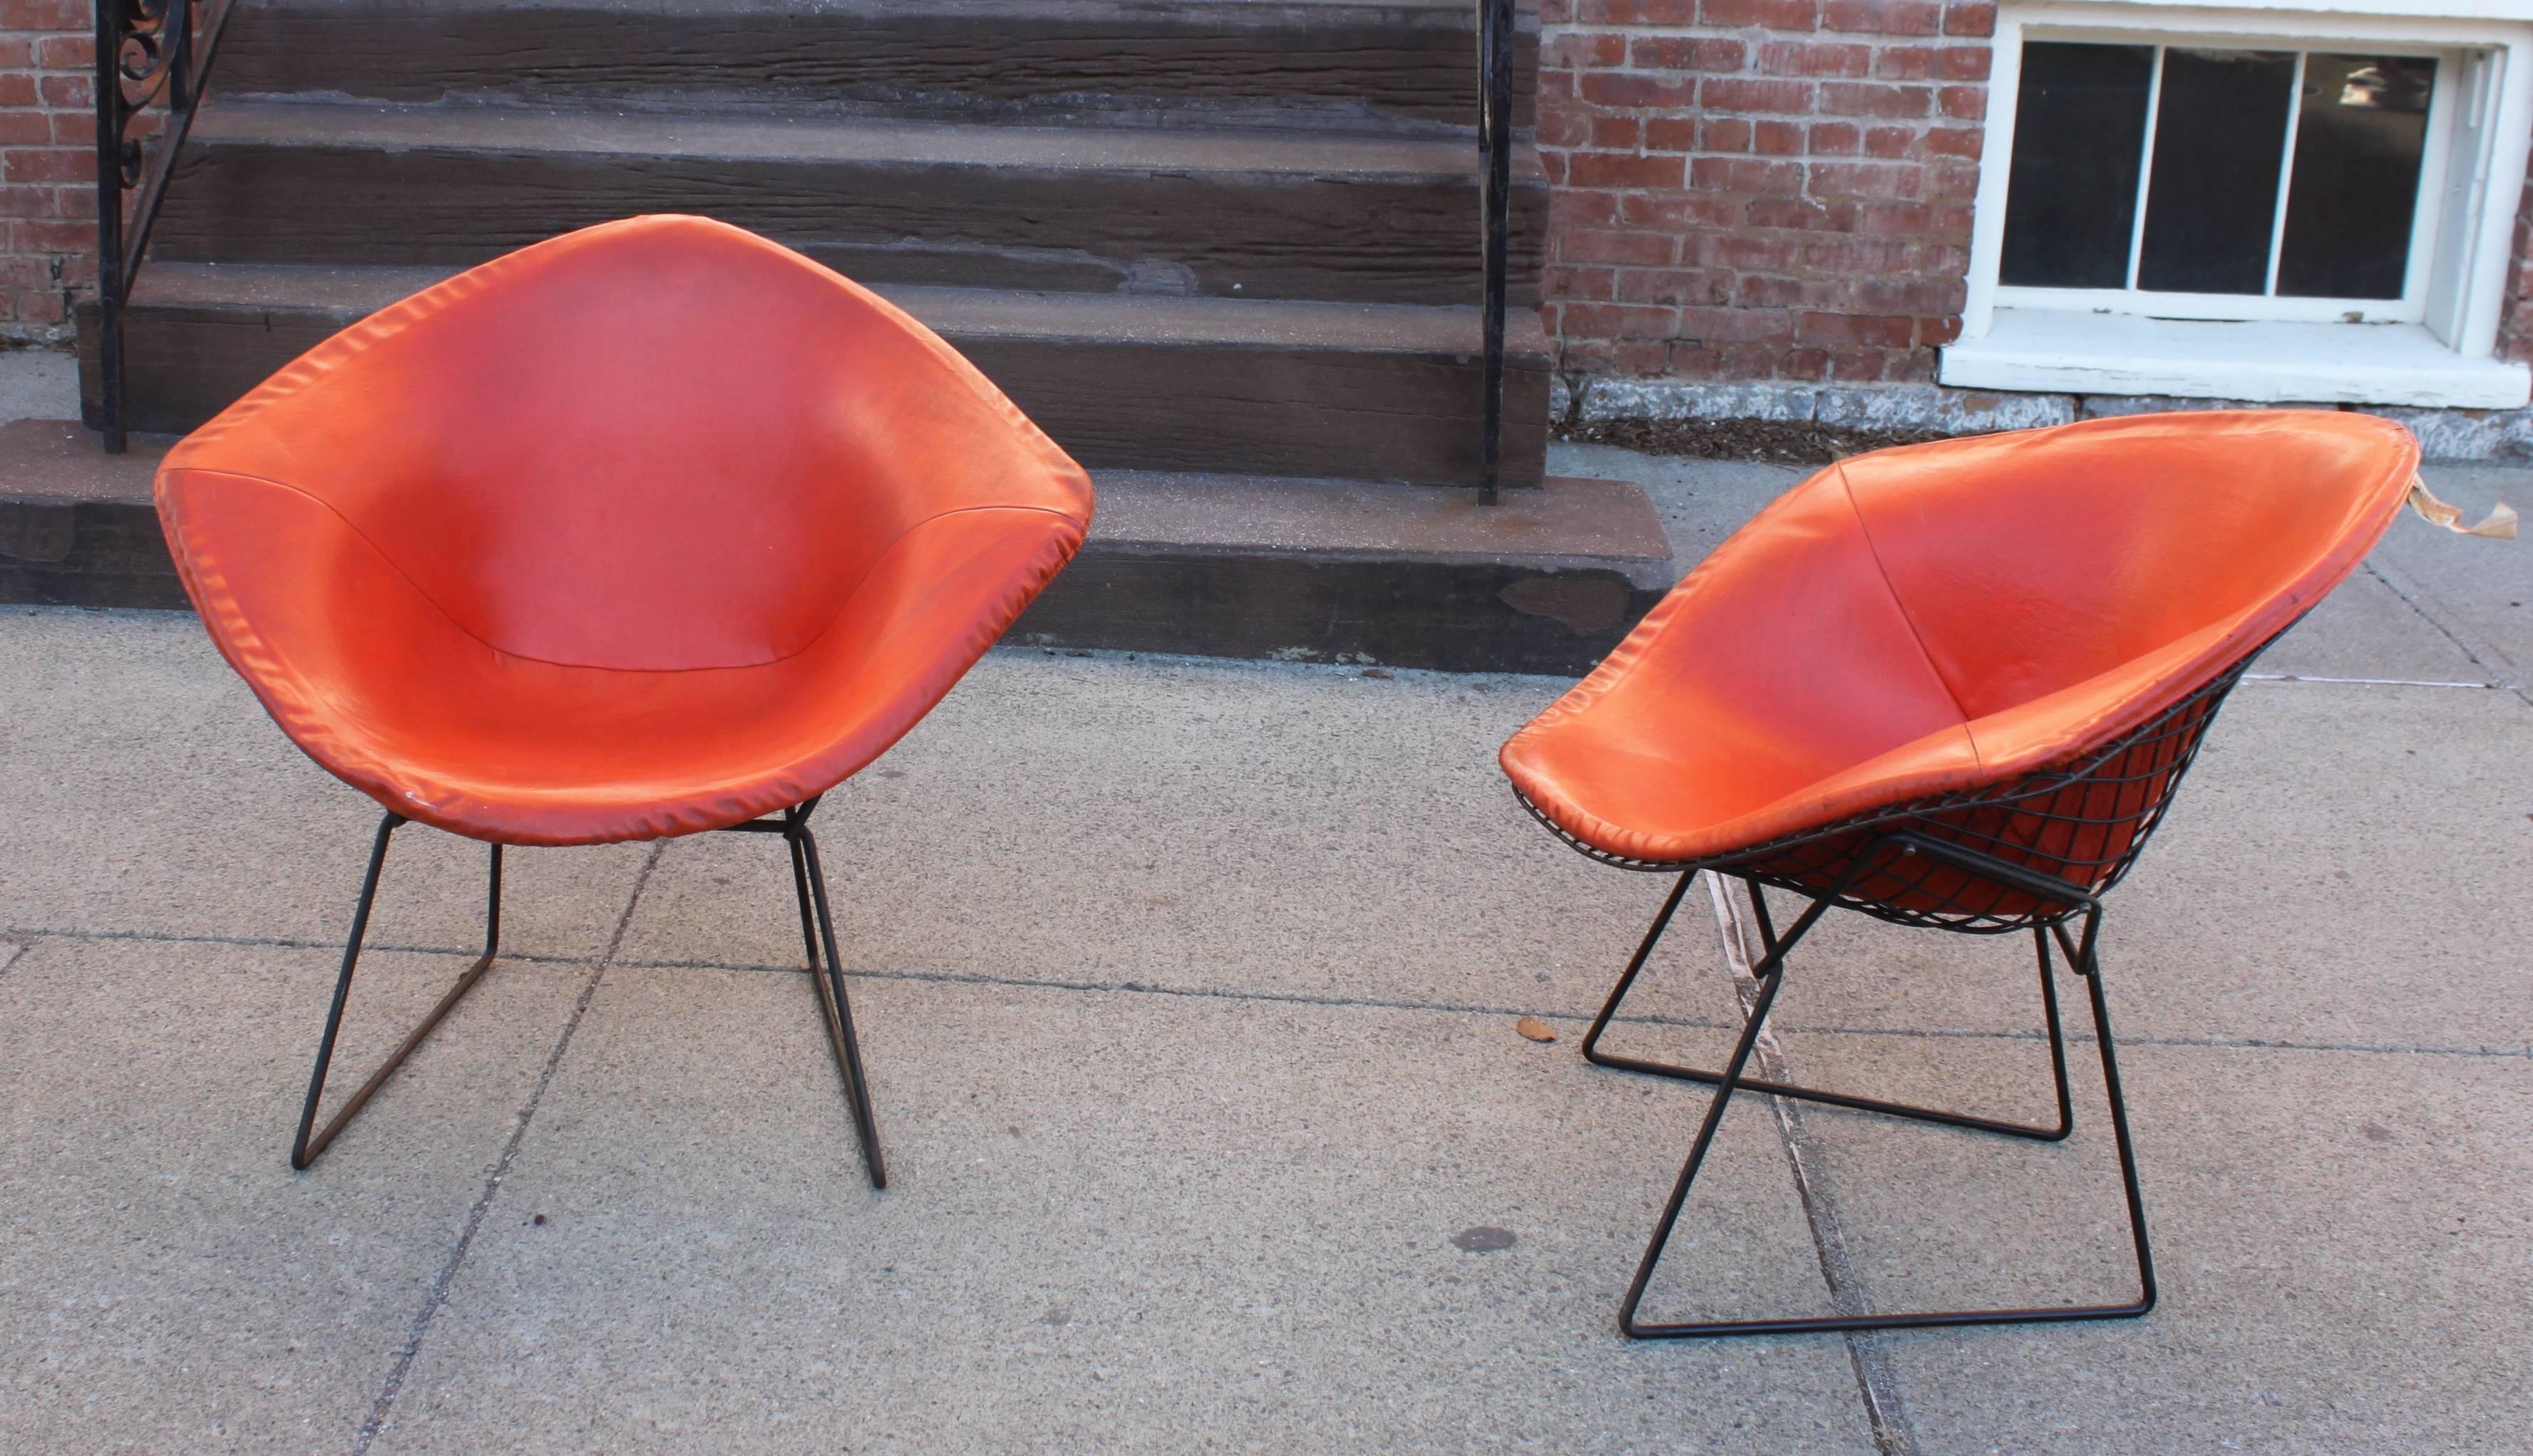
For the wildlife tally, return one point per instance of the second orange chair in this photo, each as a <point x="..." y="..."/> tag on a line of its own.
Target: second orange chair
<point x="1951" y="687"/>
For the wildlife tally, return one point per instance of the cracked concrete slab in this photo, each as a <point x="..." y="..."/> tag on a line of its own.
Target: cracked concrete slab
<point x="1267" y="1158"/>
<point x="149" y="792"/>
<point x="1115" y="1221"/>
<point x="2340" y="1243"/>
<point x="167" y="1282"/>
<point x="2479" y="592"/>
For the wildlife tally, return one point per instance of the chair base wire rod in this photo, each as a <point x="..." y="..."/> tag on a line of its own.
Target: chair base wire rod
<point x="305" y="1148"/>
<point x="830" y="983"/>
<point x="2082" y="959"/>
<point x="2049" y="1003"/>
<point x="817" y="931"/>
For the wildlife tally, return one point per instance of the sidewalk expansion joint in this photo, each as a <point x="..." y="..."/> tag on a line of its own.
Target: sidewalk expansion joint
<point x="1198" y="993"/>
<point x="1573" y="1018"/>
<point x="2398" y="583"/>
<point x="27" y="935"/>
<point x="439" y="1297"/>
<point x="2219" y="1043"/>
<point x="2365" y="682"/>
<point x="1877" y="1383"/>
<point x="284" y="943"/>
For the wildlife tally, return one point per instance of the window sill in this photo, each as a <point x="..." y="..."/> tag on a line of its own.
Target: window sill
<point x="2071" y="353"/>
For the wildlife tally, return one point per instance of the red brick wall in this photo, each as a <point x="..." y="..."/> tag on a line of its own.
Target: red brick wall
<point x="1760" y="189"/>
<point x="47" y="165"/>
<point x="1745" y="189"/>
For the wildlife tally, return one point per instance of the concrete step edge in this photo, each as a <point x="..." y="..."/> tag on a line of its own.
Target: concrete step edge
<point x="1184" y="562"/>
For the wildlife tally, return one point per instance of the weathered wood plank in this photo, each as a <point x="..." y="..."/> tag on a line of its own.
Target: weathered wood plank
<point x="1228" y="216"/>
<point x="1144" y="384"/>
<point x="1297" y="63"/>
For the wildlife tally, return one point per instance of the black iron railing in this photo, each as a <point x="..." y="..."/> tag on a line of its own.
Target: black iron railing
<point x="148" y="52"/>
<point x="1495" y="145"/>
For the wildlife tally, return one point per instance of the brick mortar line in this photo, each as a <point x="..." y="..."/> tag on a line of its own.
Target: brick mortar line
<point x="438" y="1298"/>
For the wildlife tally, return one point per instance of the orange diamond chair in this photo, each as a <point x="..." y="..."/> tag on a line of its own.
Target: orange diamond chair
<point x="650" y="528"/>
<point x="1951" y="685"/>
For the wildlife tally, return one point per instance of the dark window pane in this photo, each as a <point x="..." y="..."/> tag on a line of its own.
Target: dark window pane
<point x="2221" y="131"/>
<point x="2071" y="196"/>
<point x="2356" y="182"/>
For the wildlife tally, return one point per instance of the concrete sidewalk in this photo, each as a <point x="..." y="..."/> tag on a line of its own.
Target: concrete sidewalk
<point x="1188" y="992"/>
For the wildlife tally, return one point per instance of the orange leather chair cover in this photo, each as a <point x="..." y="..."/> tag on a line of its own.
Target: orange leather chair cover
<point x="649" y="529"/>
<point x="1949" y="617"/>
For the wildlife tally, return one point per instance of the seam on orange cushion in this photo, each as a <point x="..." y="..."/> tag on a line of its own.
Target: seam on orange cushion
<point x="334" y="353"/>
<point x="279" y="689"/>
<point x="364" y="538"/>
<point x="238" y="639"/>
<point x="2230" y="645"/>
<point x="359" y="338"/>
<point x="445" y="805"/>
<point x="498" y="651"/>
<point x="1847" y="493"/>
<point x="789" y="782"/>
<point x="844" y="599"/>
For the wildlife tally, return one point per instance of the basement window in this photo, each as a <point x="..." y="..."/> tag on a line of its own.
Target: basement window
<point x="2246" y="168"/>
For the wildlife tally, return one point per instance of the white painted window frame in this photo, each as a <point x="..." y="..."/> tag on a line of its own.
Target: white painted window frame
<point x="2451" y="86"/>
<point x="2481" y="130"/>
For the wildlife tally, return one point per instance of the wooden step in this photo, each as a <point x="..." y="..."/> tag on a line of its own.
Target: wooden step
<point x="1336" y="570"/>
<point x="1345" y="63"/>
<point x="77" y="527"/>
<point x="1315" y="570"/>
<point x="1247" y="214"/>
<point x="1365" y="390"/>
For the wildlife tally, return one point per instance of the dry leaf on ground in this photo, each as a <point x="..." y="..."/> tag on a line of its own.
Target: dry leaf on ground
<point x="1534" y="1028"/>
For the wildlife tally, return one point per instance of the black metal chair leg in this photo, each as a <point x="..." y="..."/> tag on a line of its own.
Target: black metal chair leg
<point x="1772" y="948"/>
<point x="1771" y="975"/>
<point x="810" y="880"/>
<point x="817" y="929"/>
<point x="792" y="818"/>
<point x="305" y="1148"/>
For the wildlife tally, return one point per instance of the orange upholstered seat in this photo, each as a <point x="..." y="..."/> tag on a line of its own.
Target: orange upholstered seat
<point x="1940" y="618"/>
<point x="1951" y="686"/>
<point x="652" y="528"/>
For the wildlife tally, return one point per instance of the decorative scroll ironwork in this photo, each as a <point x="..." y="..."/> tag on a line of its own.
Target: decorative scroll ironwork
<point x="152" y="58"/>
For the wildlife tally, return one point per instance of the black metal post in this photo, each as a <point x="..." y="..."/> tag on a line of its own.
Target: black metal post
<point x="180" y="56"/>
<point x="110" y="221"/>
<point x="1495" y="141"/>
<point x="145" y="50"/>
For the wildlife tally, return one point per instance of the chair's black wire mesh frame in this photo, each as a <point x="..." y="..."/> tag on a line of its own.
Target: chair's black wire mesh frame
<point x="2034" y="852"/>
<point x="2080" y="822"/>
<point x="817" y="931"/>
